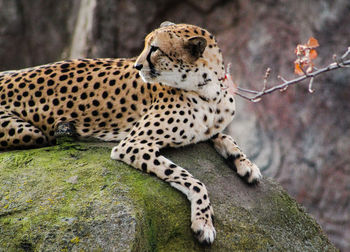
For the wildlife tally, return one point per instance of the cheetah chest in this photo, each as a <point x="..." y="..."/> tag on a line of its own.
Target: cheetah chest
<point x="210" y="117"/>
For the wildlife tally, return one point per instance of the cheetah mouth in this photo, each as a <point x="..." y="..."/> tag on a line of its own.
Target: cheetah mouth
<point x="153" y="73"/>
<point x="149" y="73"/>
<point x="202" y="84"/>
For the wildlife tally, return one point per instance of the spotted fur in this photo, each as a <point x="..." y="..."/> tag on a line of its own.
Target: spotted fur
<point x="171" y="95"/>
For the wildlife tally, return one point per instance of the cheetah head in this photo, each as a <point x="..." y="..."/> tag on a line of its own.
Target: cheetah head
<point x="182" y="56"/>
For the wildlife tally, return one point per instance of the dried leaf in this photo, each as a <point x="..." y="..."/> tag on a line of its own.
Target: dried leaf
<point x="297" y="69"/>
<point x="313" y="54"/>
<point x="305" y="54"/>
<point x="312" y="43"/>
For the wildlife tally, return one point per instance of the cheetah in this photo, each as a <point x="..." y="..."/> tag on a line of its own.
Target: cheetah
<point x="171" y="95"/>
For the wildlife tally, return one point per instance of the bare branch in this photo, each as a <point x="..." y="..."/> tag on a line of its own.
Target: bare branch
<point x="338" y="63"/>
<point x="248" y="91"/>
<point x="346" y="53"/>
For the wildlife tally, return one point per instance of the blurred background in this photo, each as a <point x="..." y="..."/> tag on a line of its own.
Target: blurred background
<point x="300" y="139"/>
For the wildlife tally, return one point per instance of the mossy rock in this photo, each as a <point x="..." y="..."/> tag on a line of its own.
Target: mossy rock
<point x="73" y="197"/>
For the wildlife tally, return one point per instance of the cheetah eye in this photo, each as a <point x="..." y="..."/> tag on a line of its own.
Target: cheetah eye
<point x="154" y="48"/>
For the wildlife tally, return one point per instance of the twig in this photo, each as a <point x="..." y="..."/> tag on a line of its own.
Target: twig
<point x="346" y="53"/>
<point x="247" y="90"/>
<point x="338" y="63"/>
<point x="267" y="75"/>
<point x="310" y="85"/>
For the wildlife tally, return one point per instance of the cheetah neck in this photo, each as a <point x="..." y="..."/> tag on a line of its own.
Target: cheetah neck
<point x="211" y="91"/>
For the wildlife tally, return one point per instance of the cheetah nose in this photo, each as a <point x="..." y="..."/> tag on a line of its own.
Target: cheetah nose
<point x="138" y="66"/>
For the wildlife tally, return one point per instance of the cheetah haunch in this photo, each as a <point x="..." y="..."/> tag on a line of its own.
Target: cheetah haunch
<point x="171" y="95"/>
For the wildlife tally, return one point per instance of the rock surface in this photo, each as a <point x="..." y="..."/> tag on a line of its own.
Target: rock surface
<point x="73" y="197"/>
<point x="300" y="139"/>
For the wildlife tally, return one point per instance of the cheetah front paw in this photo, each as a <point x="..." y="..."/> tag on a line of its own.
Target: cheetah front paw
<point x="248" y="171"/>
<point x="204" y="230"/>
<point x="245" y="168"/>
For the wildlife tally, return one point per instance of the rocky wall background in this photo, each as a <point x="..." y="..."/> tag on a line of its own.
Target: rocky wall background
<point x="301" y="139"/>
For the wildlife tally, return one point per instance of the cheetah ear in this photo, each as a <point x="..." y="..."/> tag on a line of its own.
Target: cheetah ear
<point x="196" y="46"/>
<point x="166" y="23"/>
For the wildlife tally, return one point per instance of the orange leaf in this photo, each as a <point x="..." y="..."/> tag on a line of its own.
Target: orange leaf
<point x="312" y="43"/>
<point x="313" y="54"/>
<point x="298" y="69"/>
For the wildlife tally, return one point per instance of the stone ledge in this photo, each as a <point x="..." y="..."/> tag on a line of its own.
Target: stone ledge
<point x="73" y="197"/>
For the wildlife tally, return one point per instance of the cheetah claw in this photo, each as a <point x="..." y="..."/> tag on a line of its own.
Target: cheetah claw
<point x="249" y="171"/>
<point x="204" y="232"/>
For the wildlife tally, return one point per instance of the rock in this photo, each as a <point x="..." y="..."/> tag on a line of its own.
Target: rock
<point x="295" y="137"/>
<point x="113" y="207"/>
<point x="35" y="33"/>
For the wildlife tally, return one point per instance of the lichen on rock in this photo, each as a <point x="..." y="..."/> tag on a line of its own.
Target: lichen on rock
<point x="111" y="206"/>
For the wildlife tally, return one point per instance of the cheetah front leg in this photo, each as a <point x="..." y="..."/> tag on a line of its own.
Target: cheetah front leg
<point x="227" y="147"/>
<point x="145" y="156"/>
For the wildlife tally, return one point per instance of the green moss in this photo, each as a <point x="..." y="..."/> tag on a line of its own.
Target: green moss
<point x="36" y="196"/>
<point x="165" y="220"/>
<point x="72" y="196"/>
